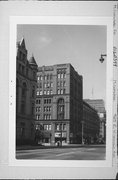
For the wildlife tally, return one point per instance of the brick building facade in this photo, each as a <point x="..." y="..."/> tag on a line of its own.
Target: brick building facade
<point x="58" y="105"/>
<point x="90" y="124"/>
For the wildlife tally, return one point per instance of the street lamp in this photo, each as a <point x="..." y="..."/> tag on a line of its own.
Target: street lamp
<point x="102" y="57"/>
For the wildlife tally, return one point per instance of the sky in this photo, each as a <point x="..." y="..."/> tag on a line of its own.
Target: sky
<point x="80" y="45"/>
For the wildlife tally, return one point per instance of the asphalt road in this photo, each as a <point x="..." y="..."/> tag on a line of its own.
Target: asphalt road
<point x="70" y="153"/>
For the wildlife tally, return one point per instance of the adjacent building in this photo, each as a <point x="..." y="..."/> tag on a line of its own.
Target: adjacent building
<point x="90" y="124"/>
<point x="26" y="83"/>
<point x="59" y="105"/>
<point x="99" y="105"/>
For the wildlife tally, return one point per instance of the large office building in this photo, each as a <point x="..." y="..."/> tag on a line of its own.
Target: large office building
<point x="59" y="105"/>
<point x="26" y="83"/>
<point x="90" y="124"/>
<point x="99" y="105"/>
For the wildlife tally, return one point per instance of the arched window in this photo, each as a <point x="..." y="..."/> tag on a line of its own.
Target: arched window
<point x="60" y="109"/>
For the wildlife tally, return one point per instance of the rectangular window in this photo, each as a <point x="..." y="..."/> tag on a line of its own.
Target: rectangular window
<point x="51" y="84"/>
<point x="64" y="83"/>
<point x="62" y="76"/>
<point x="61" y="91"/>
<point x="45" y="77"/>
<point x="41" y="77"/>
<point x="64" y="91"/>
<point x="45" y="92"/>
<point x="49" y="127"/>
<point x="64" y="127"/>
<point x="45" y="116"/>
<point x="58" y="91"/>
<point x="40" y="93"/>
<point x="58" y="75"/>
<point x="37" y="93"/>
<point x="50" y="91"/>
<point x="45" y="85"/>
<point x="38" y="78"/>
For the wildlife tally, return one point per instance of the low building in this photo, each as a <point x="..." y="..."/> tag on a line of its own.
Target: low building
<point x="90" y="124"/>
<point x="26" y="83"/>
<point x="58" y="105"/>
<point x="98" y="104"/>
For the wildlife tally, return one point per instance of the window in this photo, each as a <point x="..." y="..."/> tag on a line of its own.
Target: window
<point x="44" y="92"/>
<point x="38" y="78"/>
<point x="58" y="75"/>
<point x="45" y="85"/>
<point x="64" y="126"/>
<point x="64" y="91"/>
<point x="48" y="92"/>
<point x="58" y="91"/>
<point x="38" y="116"/>
<point x="41" y="77"/>
<point x="37" y="93"/>
<point x="51" y="92"/>
<point x="61" y="91"/>
<point x="47" y="126"/>
<point x="60" y="109"/>
<point x="47" y="101"/>
<point x="62" y="75"/>
<point x="38" y="101"/>
<point x="45" y="77"/>
<point x="64" y="83"/>
<point x="40" y="92"/>
<point x="51" y="84"/>
<point x="45" y="116"/>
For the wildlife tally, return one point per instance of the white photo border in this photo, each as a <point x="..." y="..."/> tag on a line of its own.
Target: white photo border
<point x="60" y="20"/>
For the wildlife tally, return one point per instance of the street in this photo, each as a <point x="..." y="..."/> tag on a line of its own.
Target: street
<point x="64" y="153"/>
